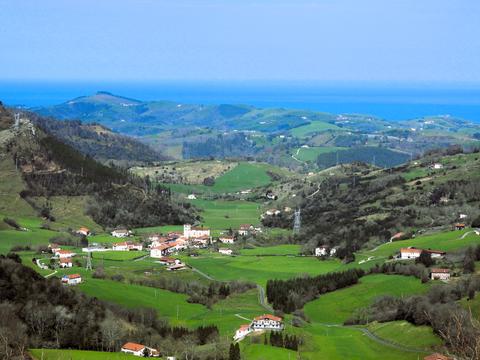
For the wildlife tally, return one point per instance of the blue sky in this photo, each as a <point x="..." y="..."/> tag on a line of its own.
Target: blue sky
<point x="323" y="40"/>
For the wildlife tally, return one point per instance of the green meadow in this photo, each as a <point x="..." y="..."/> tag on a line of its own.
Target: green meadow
<point x="51" y="354"/>
<point x="338" y="306"/>
<point x="313" y="127"/>
<point x="273" y="250"/>
<point x="222" y="214"/>
<point x="445" y="241"/>
<point x="259" y="269"/>
<point x="406" y="334"/>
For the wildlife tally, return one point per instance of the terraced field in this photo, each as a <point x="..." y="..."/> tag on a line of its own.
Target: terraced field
<point x="51" y="354"/>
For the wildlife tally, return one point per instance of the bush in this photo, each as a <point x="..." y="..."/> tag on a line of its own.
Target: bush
<point x="11" y="222"/>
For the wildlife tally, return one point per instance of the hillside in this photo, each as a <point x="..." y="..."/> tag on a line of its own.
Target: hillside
<point x="97" y="141"/>
<point x="273" y="135"/>
<point x="352" y="205"/>
<point x="43" y="172"/>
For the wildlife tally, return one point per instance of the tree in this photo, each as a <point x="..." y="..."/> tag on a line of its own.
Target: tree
<point x="425" y="259"/>
<point x="234" y="353"/>
<point x="476" y="222"/>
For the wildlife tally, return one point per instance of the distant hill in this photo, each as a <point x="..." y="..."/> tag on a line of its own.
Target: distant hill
<point x="273" y="135"/>
<point x="97" y="141"/>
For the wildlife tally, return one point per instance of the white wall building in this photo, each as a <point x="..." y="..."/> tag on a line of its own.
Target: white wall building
<point x="242" y="331"/>
<point x="440" y="274"/>
<point x="225" y="251"/>
<point x="139" y="350"/>
<point x="267" y="322"/>
<point x="227" y="239"/>
<point x="191" y="231"/>
<point x="72" y="279"/>
<point x="122" y="233"/>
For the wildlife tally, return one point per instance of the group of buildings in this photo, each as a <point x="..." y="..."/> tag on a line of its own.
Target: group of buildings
<point x="410" y="253"/>
<point x="260" y="323"/>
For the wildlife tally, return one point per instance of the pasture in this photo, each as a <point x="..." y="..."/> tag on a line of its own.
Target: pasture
<point x="446" y="241"/>
<point x="222" y="214"/>
<point x="338" y="306"/>
<point x="273" y="250"/>
<point x="259" y="269"/>
<point x="313" y="127"/>
<point x="51" y="354"/>
<point x="406" y="334"/>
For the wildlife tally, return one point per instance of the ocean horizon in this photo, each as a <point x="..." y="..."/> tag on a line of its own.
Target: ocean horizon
<point x="392" y="102"/>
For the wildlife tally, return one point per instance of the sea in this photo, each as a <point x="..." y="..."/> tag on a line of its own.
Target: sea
<point x="390" y="101"/>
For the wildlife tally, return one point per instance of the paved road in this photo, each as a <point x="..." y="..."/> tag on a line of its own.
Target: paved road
<point x="202" y="273"/>
<point x="261" y="299"/>
<point x="47" y="276"/>
<point x="243" y="318"/>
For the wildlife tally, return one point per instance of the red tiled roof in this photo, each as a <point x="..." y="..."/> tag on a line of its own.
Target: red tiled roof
<point x="435" y="252"/>
<point x="74" y="276"/>
<point x="123" y="243"/>
<point x="163" y="246"/>
<point x="84" y="229"/>
<point x="440" y="271"/>
<point x="167" y="259"/>
<point x="133" y="346"/>
<point x="408" y="250"/>
<point x="244" y="327"/>
<point x="65" y="261"/>
<point x="65" y="252"/>
<point x="268" y="317"/>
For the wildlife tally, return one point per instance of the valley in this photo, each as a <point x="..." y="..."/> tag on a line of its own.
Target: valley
<point x="352" y="208"/>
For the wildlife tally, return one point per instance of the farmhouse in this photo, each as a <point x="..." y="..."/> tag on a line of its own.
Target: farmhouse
<point x="121" y="233"/>
<point x="440" y="274"/>
<point x="139" y="350"/>
<point x="413" y="253"/>
<point x="242" y="331"/>
<point x="225" y="251"/>
<point x="161" y="250"/>
<point x="272" y="212"/>
<point x="189" y="231"/>
<point x="165" y="260"/>
<point x="127" y="246"/>
<point x="191" y="197"/>
<point x="83" y="231"/>
<point x="54" y="248"/>
<point x="437" y="166"/>
<point x="72" y="279"/>
<point x="245" y="229"/>
<point x="64" y="254"/>
<point x="460" y="226"/>
<point x="176" y="267"/>
<point x="325" y="251"/>
<point x="267" y="322"/>
<point x="66" y="263"/>
<point x="227" y="239"/>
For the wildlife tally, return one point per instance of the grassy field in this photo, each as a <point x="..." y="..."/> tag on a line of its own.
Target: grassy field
<point x="49" y="354"/>
<point x="315" y="126"/>
<point x="472" y="305"/>
<point x="221" y="214"/>
<point x="310" y="154"/>
<point x="273" y="250"/>
<point x="404" y="333"/>
<point x="334" y="343"/>
<point x="259" y="269"/>
<point x="336" y="307"/>
<point x="119" y="255"/>
<point x="446" y="241"/>
<point x="266" y="352"/>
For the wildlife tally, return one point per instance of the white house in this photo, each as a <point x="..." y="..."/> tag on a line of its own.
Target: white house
<point x="54" y="248"/>
<point x="191" y="231"/>
<point x="165" y="260"/>
<point x="440" y="274"/>
<point x="322" y="251"/>
<point x="273" y="212"/>
<point x="413" y="253"/>
<point x="437" y="166"/>
<point x="410" y="253"/>
<point x="191" y="197"/>
<point x="72" y="279"/>
<point x="64" y="253"/>
<point x="161" y="250"/>
<point x="245" y="229"/>
<point x="66" y="263"/>
<point x="139" y="350"/>
<point x="267" y="322"/>
<point x="127" y="246"/>
<point x="227" y="239"/>
<point x="83" y="231"/>
<point x="121" y="233"/>
<point x="225" y="251"/>
<point x="176" y="267"/>
<point x="242" y="331"/>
